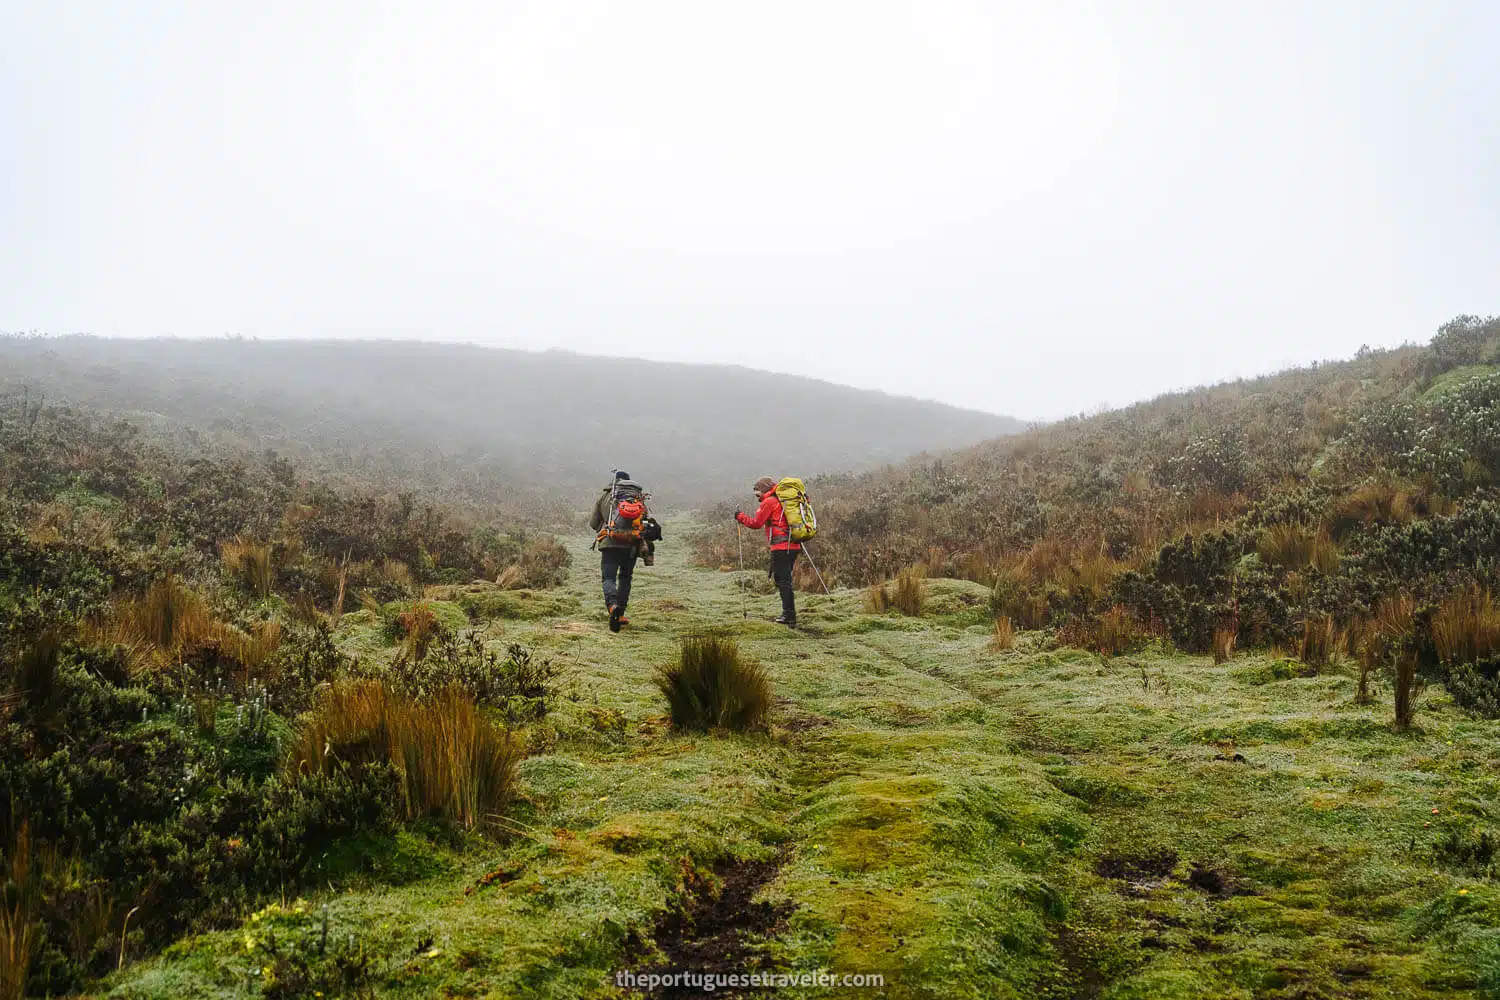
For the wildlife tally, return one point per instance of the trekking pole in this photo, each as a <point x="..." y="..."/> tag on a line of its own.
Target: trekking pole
<point x="739" y="537"/>
<point x="815" y="568"/>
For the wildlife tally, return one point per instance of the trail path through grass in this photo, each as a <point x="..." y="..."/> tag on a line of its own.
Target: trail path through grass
<point x="962" y="822"/>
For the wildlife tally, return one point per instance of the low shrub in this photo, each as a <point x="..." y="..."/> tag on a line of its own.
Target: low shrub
<point x="543" y="563"/>
<point x="1111" y="633"/>
<point x="521" y="684"/>
<point x="713" y="686"/>
<point x="453" y="762"/>
<point x="877" y="598"/>
<point x="305" y="658"/>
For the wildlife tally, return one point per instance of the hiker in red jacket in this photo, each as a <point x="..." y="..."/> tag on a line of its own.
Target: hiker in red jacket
<point x="771" y="516"/>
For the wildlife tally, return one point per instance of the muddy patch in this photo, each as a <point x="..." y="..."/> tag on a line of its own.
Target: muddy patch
<point x="1209" y="880"/>
<point x="1141" y="871"/>
<point x="717" y="928"/>
<point x="794" y="719"/>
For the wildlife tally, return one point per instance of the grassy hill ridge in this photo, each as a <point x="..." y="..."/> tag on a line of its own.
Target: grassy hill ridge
<point x="482" y="422"/>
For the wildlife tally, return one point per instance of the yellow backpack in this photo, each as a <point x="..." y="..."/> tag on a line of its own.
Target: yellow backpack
<point x="802" y="523"/>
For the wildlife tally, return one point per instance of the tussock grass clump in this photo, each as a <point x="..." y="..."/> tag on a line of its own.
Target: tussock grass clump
<point x="1390" y="638"/>
<point x="1116" y="632"/>
<point x="250" y="563"/>
<point x="1380" y="501"/>
<point x="1299" y="547"/>
<point x="1395" y="619"/>
<point x="254" y="649"/>
<point x="1004" y="636"/>
<point x="1406" y="689"/>
<point x="1466" y="627"/>
<point x="35" y="676"/>
<point x="18" y="917"/>
<point x="1110" y="633"/>
<point x="160" y="626"/>
<point x="1321" y="642"/>
<point x="907" y="594"/>
<point x="451" y="760"/>
<point x="910" y="593"/>
<point x="416" y="627"/>
<point x="1224" y="639"/>
<point x="713" y="686"/>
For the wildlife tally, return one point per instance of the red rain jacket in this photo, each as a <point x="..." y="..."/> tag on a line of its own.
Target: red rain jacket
<point x="772" y="517"/>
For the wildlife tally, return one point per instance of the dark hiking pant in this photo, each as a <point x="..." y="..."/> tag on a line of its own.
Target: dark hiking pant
<point x="781" y="572"/>
<point x="617" y="566"/>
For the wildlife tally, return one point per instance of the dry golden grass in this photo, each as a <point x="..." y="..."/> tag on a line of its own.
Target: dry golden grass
<point x="1004" y="635"/>
<point x="1377" y="502"/>
<point x="910" y="593"/>
<point x="877" y="598"/>
<point x="159" y="626"/>
<point x="511" y="577"/>
<point x="1299" y="547"/>
<point x="1394" y="618"/>
<point x="419" y="626"/>
<point x="1224" y="639"/>
<point x="1049" y="561"/>
<point x="397" y="574"/>
<point x="59" y="521"/>
<point x="250" y="563"/>
<point x="1321" y="643"/>
<point x="452" y="760"/>
<point x="1368" y="648"/>
<point x="170" y="621"/>
<point x="1115" y="632"/>
<point x="252" y="651"/>
<point x="1405" y="696"/>
<point x="1466" y="626"/>
<point x="18" y="917"/>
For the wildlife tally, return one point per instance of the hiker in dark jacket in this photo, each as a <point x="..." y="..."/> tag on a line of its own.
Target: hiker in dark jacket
<point x="618" y="549"/>
<point x="771" y="516"/>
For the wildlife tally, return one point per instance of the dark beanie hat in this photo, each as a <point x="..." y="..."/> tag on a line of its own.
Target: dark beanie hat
<point x="621" y="475"/>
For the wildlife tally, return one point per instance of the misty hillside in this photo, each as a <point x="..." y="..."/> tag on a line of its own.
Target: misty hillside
<point x="541" y="426"/>
<point x="1274" y="509"/>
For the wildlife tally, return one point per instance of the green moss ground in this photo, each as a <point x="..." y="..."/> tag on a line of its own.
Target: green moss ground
<point x="968" y="823"/>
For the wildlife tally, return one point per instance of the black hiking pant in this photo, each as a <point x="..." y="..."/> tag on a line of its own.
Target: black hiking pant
<point x="617" y="566"/>
<point x="781" y="572"/>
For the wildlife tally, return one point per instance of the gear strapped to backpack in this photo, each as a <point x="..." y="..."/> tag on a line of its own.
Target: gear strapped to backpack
<point x="801" y="522"/>
<point x="627" y="511"/>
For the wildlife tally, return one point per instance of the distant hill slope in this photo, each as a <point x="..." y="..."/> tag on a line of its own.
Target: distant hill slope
<point x="543" y="426"/>
<point x="1335" y="484"/>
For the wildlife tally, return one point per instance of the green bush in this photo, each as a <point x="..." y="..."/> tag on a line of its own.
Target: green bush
<point x="517" y="682"/>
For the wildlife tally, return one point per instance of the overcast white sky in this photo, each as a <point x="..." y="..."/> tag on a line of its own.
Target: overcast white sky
<point x="1029" y="208"/>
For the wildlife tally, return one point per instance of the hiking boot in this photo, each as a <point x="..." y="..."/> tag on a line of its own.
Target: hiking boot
<point x="623" y="620"/>
<point x="615" y="620"/>
<point x="788" y="622"/>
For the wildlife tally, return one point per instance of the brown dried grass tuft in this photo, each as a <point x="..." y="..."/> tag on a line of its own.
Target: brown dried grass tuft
<point x="452" y="760"/>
